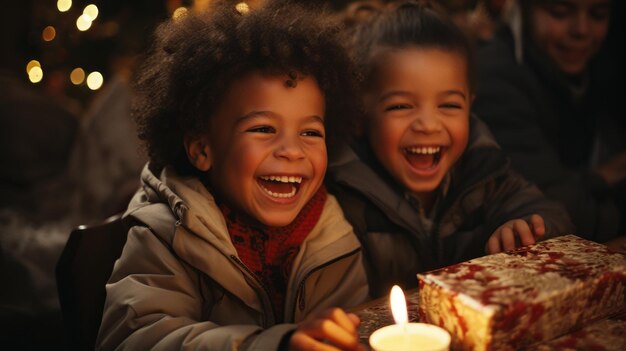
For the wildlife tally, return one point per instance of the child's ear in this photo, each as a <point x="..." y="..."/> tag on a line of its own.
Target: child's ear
<point x="199" y="152"/>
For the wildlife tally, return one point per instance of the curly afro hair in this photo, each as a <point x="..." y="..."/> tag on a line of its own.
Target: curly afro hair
<point x="196" y="57"/>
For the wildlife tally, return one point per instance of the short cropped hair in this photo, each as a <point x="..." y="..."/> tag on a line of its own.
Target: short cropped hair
<point x="196" y="57"/>
<point x="406" y="24"/>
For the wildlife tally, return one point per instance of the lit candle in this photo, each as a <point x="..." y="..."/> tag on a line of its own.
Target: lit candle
<point x="398" y="306"/>
<point x="400" y="312"/>
<point x="404" y="336"/>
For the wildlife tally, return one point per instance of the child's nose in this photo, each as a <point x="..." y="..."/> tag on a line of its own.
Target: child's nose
<point x="425" y="122"/>
<point x="579" y="25"/>
<point x="289" y="148"/>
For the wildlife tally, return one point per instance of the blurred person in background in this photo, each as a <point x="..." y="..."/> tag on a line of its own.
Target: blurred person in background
<point x="69" y="155"/>
<point x="37" y="135"/>
<point x="550" y="88"/>
<point x="475" y="17"/>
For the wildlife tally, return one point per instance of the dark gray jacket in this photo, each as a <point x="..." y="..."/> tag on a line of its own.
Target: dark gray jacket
<point x="483" y="194"/>
<point x="554" y="135"/>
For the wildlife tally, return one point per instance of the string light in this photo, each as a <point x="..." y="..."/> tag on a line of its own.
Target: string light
<point x="92" y="11"/>
<point x="95" y="80"/>
<point x="35" y="74"/>
<point x="83" y="22"/>
<point x="31" y="64"/>
<point x="64" y="5"/>
<point x="179" y="12"/>
<point x="242" y="8"/>
<point x="77" y="76"/>
<point x="48" y="33"/>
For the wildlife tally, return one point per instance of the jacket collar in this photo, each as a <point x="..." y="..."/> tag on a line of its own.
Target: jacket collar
<point x="200" y="236"/>
<point x="357" y="168"/>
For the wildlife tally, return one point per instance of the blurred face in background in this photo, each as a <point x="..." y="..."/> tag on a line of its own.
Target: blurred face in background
<point x="570" y="32"/>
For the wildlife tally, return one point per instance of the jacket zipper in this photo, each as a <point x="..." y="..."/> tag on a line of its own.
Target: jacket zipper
<point x="301" y="293"/>
<point x="264" y="299"/>
<point x="458" y="198"/>
<point x="454" y="204"/>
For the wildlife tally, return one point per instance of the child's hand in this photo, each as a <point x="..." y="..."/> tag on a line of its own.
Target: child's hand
<point x="516" y="233"/>
<point x="330" y="330"/>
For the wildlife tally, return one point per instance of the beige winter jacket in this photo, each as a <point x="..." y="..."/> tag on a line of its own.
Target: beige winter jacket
<point x="179" y="284"/>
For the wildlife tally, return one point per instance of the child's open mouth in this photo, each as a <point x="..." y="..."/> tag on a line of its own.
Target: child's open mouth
<point x="282" y="187"/>
<point x="423" y="157"/>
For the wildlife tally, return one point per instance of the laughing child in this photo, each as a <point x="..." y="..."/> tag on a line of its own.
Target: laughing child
<point x="426" y="185"/>
<point x="237" y="245"/>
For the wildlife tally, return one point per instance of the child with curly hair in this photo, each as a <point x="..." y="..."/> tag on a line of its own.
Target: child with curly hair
<point x="425" y="185"/>
<point x="236" y="243"/>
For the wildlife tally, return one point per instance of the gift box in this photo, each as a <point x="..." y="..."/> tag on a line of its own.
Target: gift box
<point x="525" y="296"/>
<point x="604" y="335"/>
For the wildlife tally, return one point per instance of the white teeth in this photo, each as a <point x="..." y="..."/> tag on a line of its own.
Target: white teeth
<point x="282" y="179"/>
<point x="427" y="150"/>
<point x="281" y="195"/>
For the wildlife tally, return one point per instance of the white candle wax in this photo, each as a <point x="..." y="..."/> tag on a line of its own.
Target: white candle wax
<point x="410" y="337"/>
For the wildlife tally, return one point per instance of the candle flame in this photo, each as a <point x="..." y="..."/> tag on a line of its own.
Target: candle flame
<point x="398" y="305"/>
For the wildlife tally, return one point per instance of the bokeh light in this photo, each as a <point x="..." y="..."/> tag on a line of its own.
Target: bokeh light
<point x="92" y="11"/>
<point x="83" y="22"/>
<point x="31" y="64"/>
<point x="64" y="5"/>
<point x="48" y="33"/>
<point x="95" y="80"/>
<point x="77" y="76"/>
<point x="242" y="8"/>
<point x="179" y="12"/>
<point x="35" y="74"/>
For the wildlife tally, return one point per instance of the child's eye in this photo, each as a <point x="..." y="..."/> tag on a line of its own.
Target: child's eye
<point x="395" y="107"/>
<point x="262" y="129"/>
<point x="600" y="13"/>
<point x="450" y="106"/>
<point x="313" y="133"/>
<point x="559" y="11"/>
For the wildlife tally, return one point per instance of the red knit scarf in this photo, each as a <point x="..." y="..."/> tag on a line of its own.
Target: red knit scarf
<point x="269" y="251"/>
